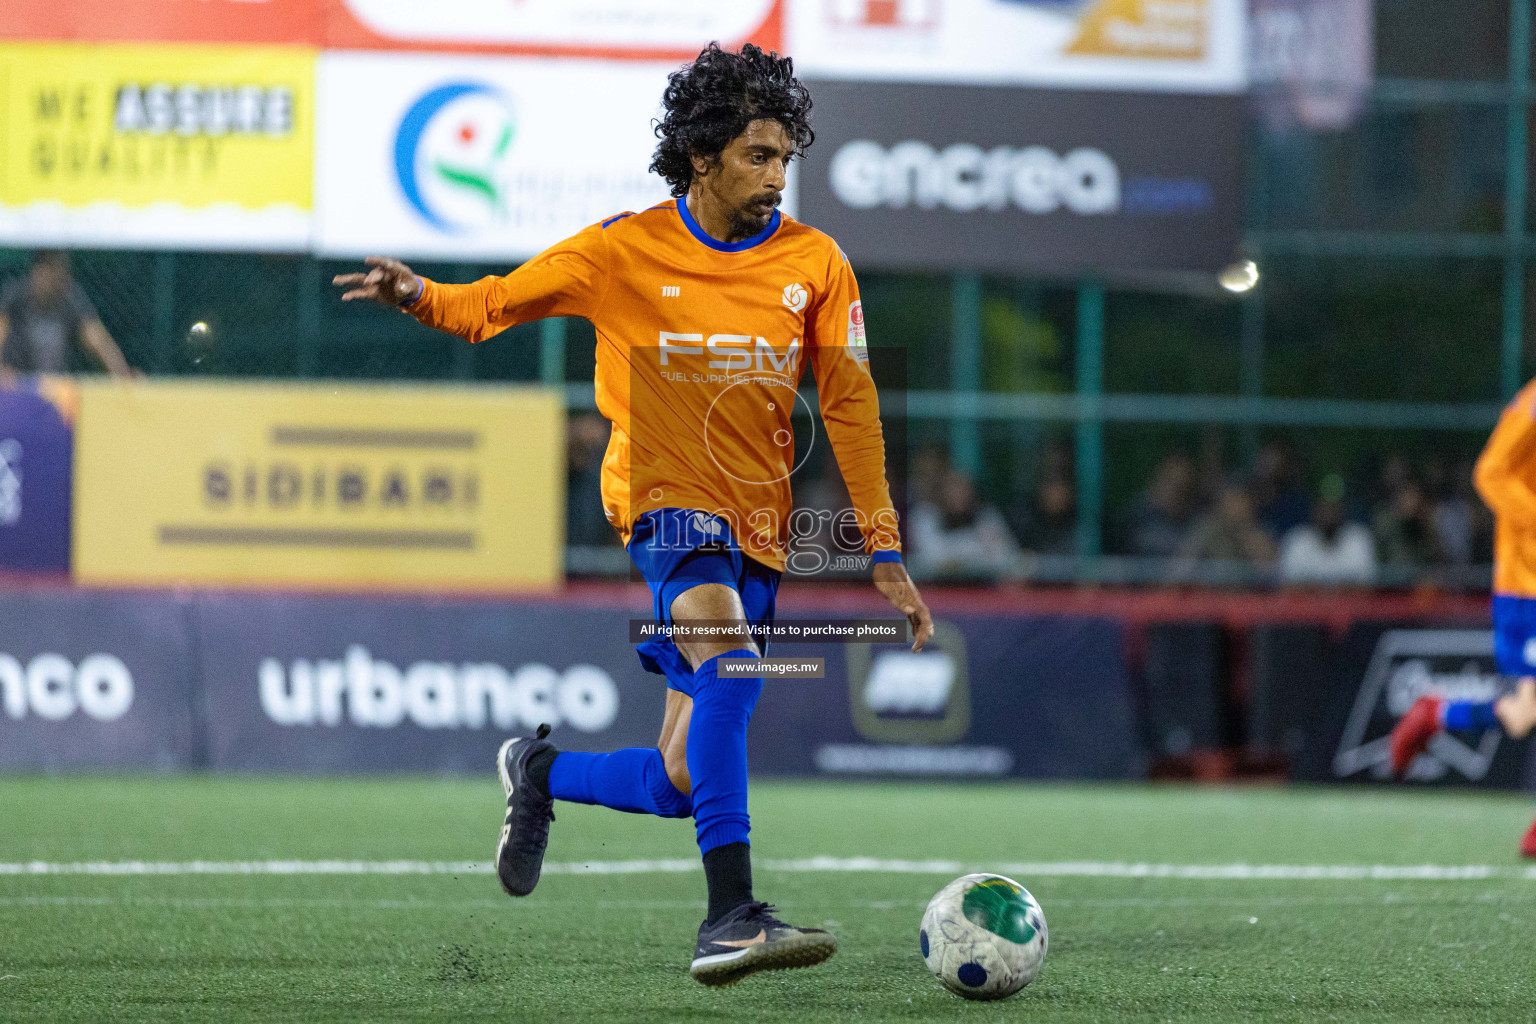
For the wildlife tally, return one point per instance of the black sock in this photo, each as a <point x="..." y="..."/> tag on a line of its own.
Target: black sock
<point x="538" y="768"/>
<point x="728" y="872"/>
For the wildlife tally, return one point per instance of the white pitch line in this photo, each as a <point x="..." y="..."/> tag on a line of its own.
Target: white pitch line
<point x="809" y="865"/>
<point x="1391" y="899"/>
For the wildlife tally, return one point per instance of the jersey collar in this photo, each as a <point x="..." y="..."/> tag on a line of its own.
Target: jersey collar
<point x="719" y="246"/>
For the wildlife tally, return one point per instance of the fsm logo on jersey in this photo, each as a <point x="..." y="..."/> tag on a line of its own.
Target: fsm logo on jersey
<point x="451" y="155"/>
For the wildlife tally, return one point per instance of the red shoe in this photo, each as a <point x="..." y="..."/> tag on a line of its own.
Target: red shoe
<point x="1528" y="844"/>
<point x="1411" y="735"/>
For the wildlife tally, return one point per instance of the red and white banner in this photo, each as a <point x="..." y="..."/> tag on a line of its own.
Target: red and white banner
<point x="612" y="29"/>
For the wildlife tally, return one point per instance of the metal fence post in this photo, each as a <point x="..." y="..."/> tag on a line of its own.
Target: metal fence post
<point x="1090" y="428"/>
<point x="1251" y="367"/>
<point x="965" y="369"/>
<point x="552" y="351"/>
<point x="1515" y="144"/>
<point x="163" y="300"/>
<point x="307" y="359"/>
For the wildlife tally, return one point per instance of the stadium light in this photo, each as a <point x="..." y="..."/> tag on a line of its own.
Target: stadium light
<point x="1241" y="277"/>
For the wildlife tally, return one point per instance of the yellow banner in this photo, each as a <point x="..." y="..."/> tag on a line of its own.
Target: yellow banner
<point x="1158" y="29"/>
<point x="215" y="141"/>
<point x="323" y="486"/>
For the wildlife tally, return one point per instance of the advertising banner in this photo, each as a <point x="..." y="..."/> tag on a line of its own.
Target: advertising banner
<point x="329" y="486"/>
<point x="673" y="30"/>
<point x="350" y="684"/>
<point x="332" y="684"/>
<point x="95" y="681"/>
<point x="1025" y="181"/>
<point x="1038" y="697"/>
<point x="1167" y="45"/>
<point x="1381" y="670"/>
<point x="204" y="21"/>
<point x="465" y="158"/>
<point x="614" y="29"/>
<point x="35" y="458"/>
<point x="162" y="145"/>
<point x="1314" y="61"/>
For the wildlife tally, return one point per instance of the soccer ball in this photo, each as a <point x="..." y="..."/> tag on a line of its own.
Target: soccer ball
<point x="983" y="936"/>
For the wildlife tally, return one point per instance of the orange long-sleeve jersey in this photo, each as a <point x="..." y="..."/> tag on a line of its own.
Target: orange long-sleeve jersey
<point x="701" y="346"/>
<point x="1506" y="478"/>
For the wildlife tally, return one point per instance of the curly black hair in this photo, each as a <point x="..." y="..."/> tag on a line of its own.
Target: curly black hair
<point x="711" y="101"/>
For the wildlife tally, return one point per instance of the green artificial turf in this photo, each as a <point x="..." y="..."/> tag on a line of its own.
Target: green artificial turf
<point x="615" y="947"/>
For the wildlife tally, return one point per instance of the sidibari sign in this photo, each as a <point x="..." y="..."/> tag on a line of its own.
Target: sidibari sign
<point x="332" y="486"/>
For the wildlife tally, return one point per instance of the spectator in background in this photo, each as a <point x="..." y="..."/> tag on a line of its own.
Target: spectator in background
<point x="1280" y="498"/>
<point x="1162" y="515"/>
<point x="47" y="324"/>
<point x="930" y="464"/>
<point x="1480" y="517"/>
<point x="959" y="535"/>
<point x="1406" y="534"/>
<point x="1048" y="525"/>
<point x="824" y="499"/>
<point x="1230" y="532"/>
<point x="586" y="524"/>
<point x="1330" y="549"/>
<point x="1452" y="512"/>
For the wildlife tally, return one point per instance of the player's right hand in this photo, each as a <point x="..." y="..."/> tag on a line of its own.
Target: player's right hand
<point x="389" y="282"/>
<point x="892" y="581"/>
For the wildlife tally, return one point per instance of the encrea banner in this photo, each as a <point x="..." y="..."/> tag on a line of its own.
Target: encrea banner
<point x="464" y="158"/>
<point x="1162" y="45"/>
<point x="158" y="145"/>
<point x="1025" y="181"/>
<point x="319" y="486"/>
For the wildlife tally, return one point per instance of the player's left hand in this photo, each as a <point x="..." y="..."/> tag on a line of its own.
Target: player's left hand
<point x="388" y="283"/>
<point x="891" y="579"/>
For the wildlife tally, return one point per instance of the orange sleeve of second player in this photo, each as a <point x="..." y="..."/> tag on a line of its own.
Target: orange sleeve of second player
<point x="850" y="407"/>
<point x="568" y="279"/>
<point x="1507" y="461"/>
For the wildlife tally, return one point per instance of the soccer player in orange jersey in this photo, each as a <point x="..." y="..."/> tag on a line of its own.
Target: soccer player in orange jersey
<point x="1506" y="479"/>
<point x="707" y="308"/>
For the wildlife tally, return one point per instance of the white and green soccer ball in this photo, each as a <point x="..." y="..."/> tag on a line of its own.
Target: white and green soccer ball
<point x="983" y="936"/>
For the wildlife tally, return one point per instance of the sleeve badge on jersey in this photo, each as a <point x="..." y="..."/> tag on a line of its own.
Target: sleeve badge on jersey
<point x="858" y="347"/>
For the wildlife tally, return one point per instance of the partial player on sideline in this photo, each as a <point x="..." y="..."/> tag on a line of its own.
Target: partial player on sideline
<point x="707" y="308"/>
<point x="1506" y="479"/>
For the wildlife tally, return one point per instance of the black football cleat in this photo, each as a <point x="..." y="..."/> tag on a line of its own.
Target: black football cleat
<point x="750" y="939"/>
<point x="520" y="850"/>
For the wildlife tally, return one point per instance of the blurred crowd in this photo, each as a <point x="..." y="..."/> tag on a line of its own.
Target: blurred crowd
<point x="1397" y="522"/>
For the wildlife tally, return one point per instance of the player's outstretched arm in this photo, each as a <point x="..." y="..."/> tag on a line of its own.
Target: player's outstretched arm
<point x="891" y="579"/>
<point x="388" y="282"/>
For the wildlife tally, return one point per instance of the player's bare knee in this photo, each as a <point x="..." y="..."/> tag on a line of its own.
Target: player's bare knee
<point x="700" y="652"/>
<point x="675" y="758"/>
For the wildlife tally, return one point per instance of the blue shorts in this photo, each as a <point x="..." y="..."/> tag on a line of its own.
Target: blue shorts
<point x="677" y="549"/>
<point x="1514" y="635"/>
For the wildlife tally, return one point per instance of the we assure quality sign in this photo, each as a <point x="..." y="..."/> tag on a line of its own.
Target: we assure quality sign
<point x="156" y="144"/>
<point x="321" y="486"/>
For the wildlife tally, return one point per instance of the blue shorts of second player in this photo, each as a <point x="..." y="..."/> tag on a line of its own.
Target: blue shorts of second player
<point x="1514" y="634"/>
<point x="677" y="549"/>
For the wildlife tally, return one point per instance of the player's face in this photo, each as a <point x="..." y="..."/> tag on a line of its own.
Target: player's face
<point x="748" y="180"/>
